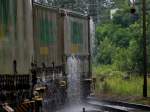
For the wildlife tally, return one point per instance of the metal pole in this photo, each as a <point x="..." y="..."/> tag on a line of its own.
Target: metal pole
<point x="83" y="109"/>
<point x="145" y="49"/>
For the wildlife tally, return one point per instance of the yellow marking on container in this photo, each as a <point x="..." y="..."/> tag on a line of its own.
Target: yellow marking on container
<point x="44" y="51"/>
<point x="75" y="48"/>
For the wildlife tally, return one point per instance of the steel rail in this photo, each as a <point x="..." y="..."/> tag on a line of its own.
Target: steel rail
<point x="121" y="104"/>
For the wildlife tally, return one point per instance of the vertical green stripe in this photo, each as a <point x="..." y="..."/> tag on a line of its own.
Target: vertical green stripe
<point x="46" y="28"/>
<point x="76" y="32"/>
<point x="4" y="15"/>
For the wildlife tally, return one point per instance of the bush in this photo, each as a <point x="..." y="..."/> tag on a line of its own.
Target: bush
<point x="115" y="83"/>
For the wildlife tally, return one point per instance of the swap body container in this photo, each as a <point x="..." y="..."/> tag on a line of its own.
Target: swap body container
<point x="48" y="43"/>
<point x="76" y="31"/>
<point x="75" y="34"/>
<point x="76" y="39"/>
<point x="16" y="43"/>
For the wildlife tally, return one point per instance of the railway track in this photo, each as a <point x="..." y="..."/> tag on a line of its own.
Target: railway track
<point x="93" y="105"/>
<point x="116" y="106"/>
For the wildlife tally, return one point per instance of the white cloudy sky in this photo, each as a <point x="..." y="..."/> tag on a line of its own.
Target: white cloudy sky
<point x="132" y="1"/>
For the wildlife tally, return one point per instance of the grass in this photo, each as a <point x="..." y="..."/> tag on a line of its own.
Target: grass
<point x="118" y="85"/>
<point x="114" y="82"/>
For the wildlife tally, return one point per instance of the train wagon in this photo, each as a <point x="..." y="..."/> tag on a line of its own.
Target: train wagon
<point x="36" y="40"/>
<point x="58" y="34"/>
<point x="16" y="50"/>
<point x="77" y="46"/>
<point x="30" y="32"/>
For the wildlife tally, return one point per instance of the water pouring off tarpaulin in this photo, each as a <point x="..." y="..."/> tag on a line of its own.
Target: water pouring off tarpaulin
<point x="74" y="75"/>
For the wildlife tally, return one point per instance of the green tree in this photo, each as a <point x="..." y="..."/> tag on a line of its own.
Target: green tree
<point x="121" y="60"/>
<point x="121" y="37"/>
<point x="126" y="39"/>
<point x="123" y="18"/>
<point x="105" y="52"/>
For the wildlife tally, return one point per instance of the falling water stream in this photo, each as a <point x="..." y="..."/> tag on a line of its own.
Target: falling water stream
<point x="74" y="92"/>
<point x="74" y="88"/>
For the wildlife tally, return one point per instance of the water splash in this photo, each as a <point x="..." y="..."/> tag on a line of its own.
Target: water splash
<point x="74" y="88"/>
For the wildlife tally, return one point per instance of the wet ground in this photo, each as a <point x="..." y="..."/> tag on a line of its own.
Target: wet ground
<point x="79" y="108"/>
<point x="95" y="106"/>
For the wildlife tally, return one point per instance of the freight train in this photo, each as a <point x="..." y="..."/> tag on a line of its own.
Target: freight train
<point x="35" y="42"/>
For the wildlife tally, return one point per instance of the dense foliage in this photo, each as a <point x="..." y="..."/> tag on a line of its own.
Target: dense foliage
<point x="119" y="41"/>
